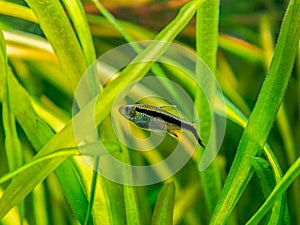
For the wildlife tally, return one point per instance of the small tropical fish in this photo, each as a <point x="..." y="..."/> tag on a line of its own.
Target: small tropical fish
<point x="151" y="117"/>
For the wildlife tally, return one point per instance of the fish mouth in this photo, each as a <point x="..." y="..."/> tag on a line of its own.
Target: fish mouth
<point x="121" y="108"/>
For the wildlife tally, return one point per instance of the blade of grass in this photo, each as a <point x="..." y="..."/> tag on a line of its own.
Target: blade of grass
<point x="133" y="213"/>
<point x="239" y="118"/>
<point x="282" y="118"/>
<point x="263" y="115"/>
<point x="61" y="36"/>
<point x="289" y="141"/>
<point x="99" y="206"/>
<point x="65" y="152"/>
<point x="12" y="143"/>
<point x="152" y="52"/>
<point x="28" y="46"/>
<point x="39" y="134"/>
<point x="207" y="33"/>
<point x="241" y="48"/>
<point x="24" y="112"/>
<point x="14" y="194"/>
<point x="19" y="11"/>
<point x="27" y="40"/>
<point x="292" y="173"/>
<point x="39" y="202"/>
<point x="156" y="69"/>
<point x="267" y="181"/>
<point x="63" y="168"/>
<point x="266" y="40"/>
<point x="230" y="84"/>
<point x="113" y="21"/>
<point x="13" y="147"/>
<point x="72" y="182"/>
<point x="206" y="44"/>
<point x="88" y="215"/>
<point x="114" y="194"/>
<point x="76" y="11"/>
<point x="163" y="211"/>
<point x="236" y="116"/>
<point x="297" y="141"/>
<point x="100" y="26"/>
<point x="186" y="199"/>
<point x="13" y="217"/>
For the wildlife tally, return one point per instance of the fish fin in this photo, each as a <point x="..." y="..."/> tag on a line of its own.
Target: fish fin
<point x="200" y="142"/>
<point x="175" y="133"/>
<point x="171" y="109"/>
<point x="198" y="138"/>
<point x="168" y="107"/>
<point x="196" y="122"/>
<point x="160" y="133"/>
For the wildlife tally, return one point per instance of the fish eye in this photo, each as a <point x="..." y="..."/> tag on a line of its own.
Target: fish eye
<point x="127" y="109"/>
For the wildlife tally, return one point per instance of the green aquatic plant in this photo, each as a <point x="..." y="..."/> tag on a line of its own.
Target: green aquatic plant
<point x="39" y="73"/>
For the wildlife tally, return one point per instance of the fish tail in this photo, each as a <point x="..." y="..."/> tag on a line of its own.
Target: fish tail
<point x="200" y="142"/>
<point x="194" y="131"/>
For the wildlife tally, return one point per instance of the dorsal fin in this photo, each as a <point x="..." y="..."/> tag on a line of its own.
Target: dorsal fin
<point x="171" y="109"/>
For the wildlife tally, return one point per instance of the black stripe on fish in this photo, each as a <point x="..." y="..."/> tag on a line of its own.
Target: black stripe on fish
<point x="169" y="118"/>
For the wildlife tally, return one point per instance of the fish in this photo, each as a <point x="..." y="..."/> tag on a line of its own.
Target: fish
<point x="150" y="117"/>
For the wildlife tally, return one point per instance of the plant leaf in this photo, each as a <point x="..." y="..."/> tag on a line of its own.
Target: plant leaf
<point x="163" y="212"/>
<point x="206" y="44"/>
<point x="65" y="138"/>
<point x="266" y="177"/>
<point x="39" y="133"/>
<point x="57" y="28"/>
<point x="292" y="173"/>
<point x="12" y="143"/>
<point x="77" y="14"/>
<point x="263" y="115"/>
<point x="133" y="214"/>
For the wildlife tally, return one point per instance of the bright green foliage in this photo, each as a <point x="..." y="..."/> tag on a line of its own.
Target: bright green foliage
<point x="251" y="47"/>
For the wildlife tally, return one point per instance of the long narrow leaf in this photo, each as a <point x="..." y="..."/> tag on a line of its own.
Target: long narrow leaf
<point x="292" y="173"/>
<point x="14" y="193"/>
<point x="151" y="53"/>
<point x="267" y="181"/>
<point x="12" y="143"/>
<point x="61" y="36"/>
<point x="206" y="43"/>
<point x="263" y="115"/>
<point x="12" y="9"/>
<point x="13" y="148"/>
<point x="76" y="11"/>
<point x="39" y="133"/>
<point x="236" y="116"/>
<point x="133" y="214"/>
<point x="163" y="212"/>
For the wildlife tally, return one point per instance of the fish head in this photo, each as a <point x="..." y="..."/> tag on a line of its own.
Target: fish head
<point x="128" y="111"/>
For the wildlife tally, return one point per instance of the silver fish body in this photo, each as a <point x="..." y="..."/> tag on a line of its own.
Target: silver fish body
<point x="151" y="117"/>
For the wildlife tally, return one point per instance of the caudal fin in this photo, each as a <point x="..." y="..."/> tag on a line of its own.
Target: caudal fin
<point x="194" y="131"/>
<point x="200" y="142"/>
